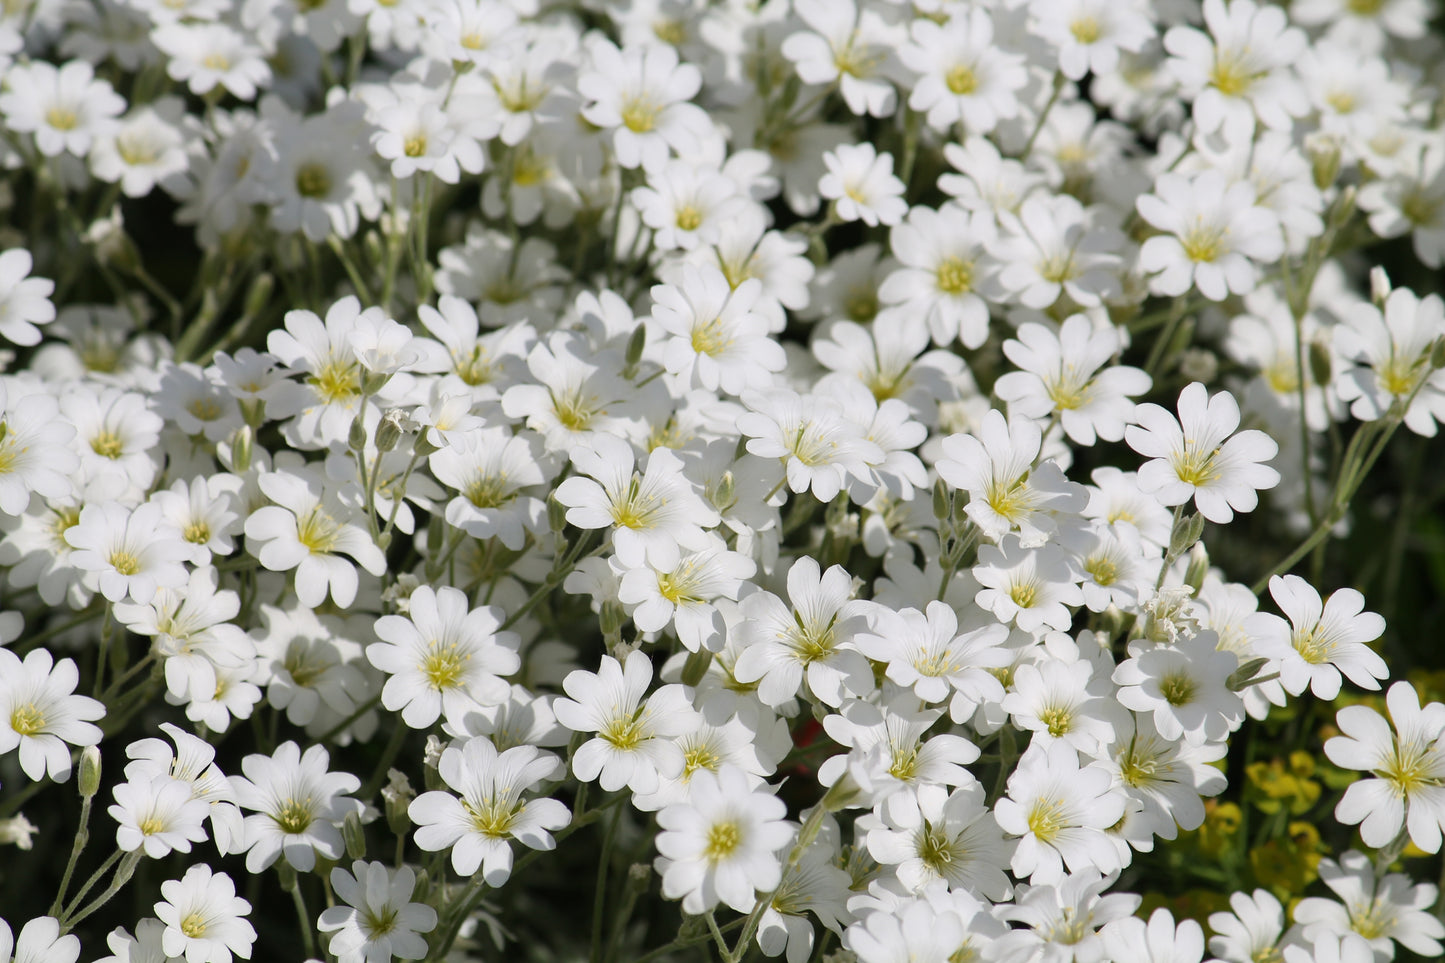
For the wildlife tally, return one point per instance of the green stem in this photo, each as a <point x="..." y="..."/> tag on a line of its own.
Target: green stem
<point x="599" y="893"/>
<point x="82" y="836"/>
<point x="308" y="929"/>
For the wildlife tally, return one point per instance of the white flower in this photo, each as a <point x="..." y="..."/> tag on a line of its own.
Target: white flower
<point x="933" y="834"/>
<point x="478" y="826"/>
<point x="1059" y="700"/>
<point x="64" y="107"/>
<point x="683" y="596"/>
<point x="861" y="184"/>
<point x="491" y="470"/>
<point x="35" y="455"/>
<point x="308" y="529"/>
<point x="653" y="515"/>
<point x="967" y="76"/>
<point x="40" y="942"/>
<point x="1031" y="587"/>
<point x="1252" y="931"/>
<point x="1063" y="371"/>
<point x="1185" y="686"/>
<point x="1054" y="247"/>
<point x="1061" y="811"/>
<point x="944" y="272"/>
<point x="204" y="918"/>
<point x="297" y="806"/>
<point x="1215" y="235"/>
<point x="715" y="338"/>
<point x="633" y="746"/>
<point x="1200" y="456"/>
<point x="928" y="653"/>
<point x="1408" y="765"/>
<point x="846" y="46"/>
<point x="40" y="712"/>
<point x="1090" y="34"/>
<point x="24" y="301"/>
<point x="158" y="814"/>
<point x="1391" y="355"/>
<point x="1383" y="913"/>
<point x="821" y="449"/>
<point x="1007" y="491"/>
<point x="721" y="845"/>
<point x="812" y="641"/>
<point x="443" y="657"/>
<point x="379" y="920"/>
<point x="1157" y="941"/>
<point x="1322" y="640"/>
<point x="641" y="94"/>
<point x="204" y="55"/>
<point x="1241" y="69"/>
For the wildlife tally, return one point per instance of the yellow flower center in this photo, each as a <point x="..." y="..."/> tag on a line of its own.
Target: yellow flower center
<point x="961" y="80"/>
<point x="443" y="665"/>
<point x="1232" y="75"/>
<point x="1178" y="689"/>
<point x="317" y="531"/>
<point x="293" y="817"/>
<point x="688" y="218"/>
<point x="1196" y="467"/>
<point x="954" y="276"/>
<point x="124" y="562"/>
<point x="1046" y="818"/>
<point x="415" y="145"/>
<point x="710" y="338"/>
<point x="1086" y="30"/>
<point x="1059" y="720"/>
<point x="194" y="925"/>
<point x="493" y="818"/>
<point x="1204" y="243"/>
<point x="197" y="533"/>
<point x="107" y="444"/>
<point x="699" y="757"/>
<point x="27" y="719"/>
<point x="218" y="62"/>
<point x="489" y="491"/>
<point x="1024" y="594"/>
<point x="722" y="840"/>
<point x="313" y="180"/>
<point x="336" y="380"/>
<point x="1103" y="569"/>
<point x="639" y="115"/>
<point x="62" y="118"/>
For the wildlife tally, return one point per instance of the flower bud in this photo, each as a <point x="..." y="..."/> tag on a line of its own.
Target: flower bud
<point x="1324" y="154"/>
<point x="242" y="448"/>
<point x="374" y="381"/>
<point x="88" y="781"/>
<point x="1198" y="364"/>
<point x="941" y="505"/>
<point x="1198" y="567"/>
<point x="1379" y="286"/>
<point x="635" y="344"/>
<point x="1244" y="676"/>
<point x="724" y="494"/>
<point x="1186" y="532"/>
<point x="356" y="436"/>
<point x="354" y="835"/>
<point x="612" y="617"/>
<point x="556" y="514"/>
<point x="1320" y="363"/>
<point x="396" y="796"/>
<point x="390" y="429"/>
<point x="1437" y="353"/>
<point x="696" y="666"/>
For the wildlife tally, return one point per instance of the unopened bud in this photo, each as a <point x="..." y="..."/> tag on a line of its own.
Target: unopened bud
<point x="1187" y="531"/>
<point x="1437" y="353"/>
<point x="354" y="835"/>
<point x="556" y="514"/>
<point x="89" y="780"/>
<point x="356" y="436"/>
<point x="725" y="494"/>
<point x="254" y="411"/>
<point x="423" y="446"/>
<point x="1198" y="567"/>
<point x="1198" y="364"/>
<point x="1245" y="676"/>
<point x="390" y="429"/>
<point x="1344" y="207"/>
<point x="242" y="448"/>
<point x="941" y="506"/>
<point x="396" y="796"/>
<point x="1321" y="365"/>
<point x="696" y="666"/>
<point x="612" y="617"/>
<point x="1379" y="286"/>
<point x="635" y="344"/>
<point x="1324" y="153"/>
<point x="374" y="381"/>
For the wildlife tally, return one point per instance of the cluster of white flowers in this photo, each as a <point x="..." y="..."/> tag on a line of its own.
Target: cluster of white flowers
<point x="687" y="398"/>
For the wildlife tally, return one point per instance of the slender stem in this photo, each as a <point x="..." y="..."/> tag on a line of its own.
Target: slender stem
<point x="308" y="929"/>
<point x="122" y="876"/>
<point x="82" y="836"/>
<point x="95" y="877"/>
